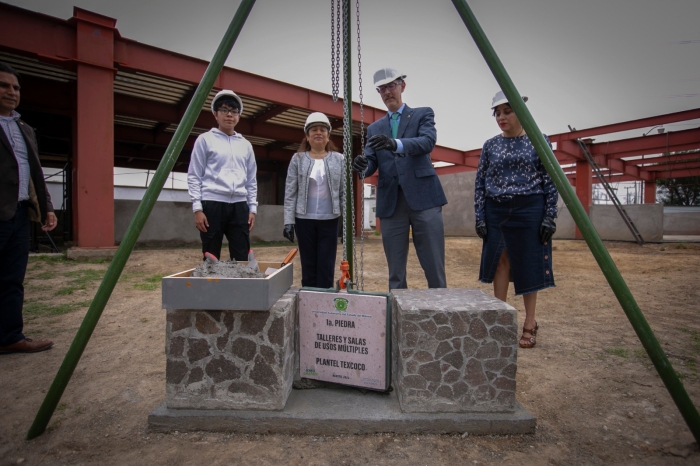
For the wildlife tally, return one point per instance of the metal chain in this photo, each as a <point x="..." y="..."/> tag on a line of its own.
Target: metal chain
<point x="335" y="49"/>
<point x="347" y="135"/>
<point x="359" y="277"/>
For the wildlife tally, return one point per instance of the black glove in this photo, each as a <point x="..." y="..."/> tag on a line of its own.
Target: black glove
<point x="359" y="164"/>
<point x="382" y="141"/>
<point x="289" y="232"/>
<point x="547" y="229"/>
<point x="481" y="229"/>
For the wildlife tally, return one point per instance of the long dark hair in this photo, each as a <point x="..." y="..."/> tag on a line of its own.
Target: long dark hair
<point x="304" y="145"/>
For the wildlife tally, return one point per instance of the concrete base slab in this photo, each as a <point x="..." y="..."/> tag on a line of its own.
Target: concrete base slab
<point x="45" y="254"/>
<point x="91" y="253"/>
<point x="341" y="410"/>
<point x="681" y="239"/>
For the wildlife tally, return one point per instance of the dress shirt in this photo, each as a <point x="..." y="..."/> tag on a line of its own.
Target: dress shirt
<point x="319" y="200"/>
<point x="399" y="144"/>
<point x="19" y="147"/>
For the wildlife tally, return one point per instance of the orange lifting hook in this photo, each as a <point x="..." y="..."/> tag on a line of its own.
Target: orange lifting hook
<point x="344" y="275"/>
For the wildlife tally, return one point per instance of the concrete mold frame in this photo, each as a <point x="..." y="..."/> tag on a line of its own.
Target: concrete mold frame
<point x="183" y="291"/>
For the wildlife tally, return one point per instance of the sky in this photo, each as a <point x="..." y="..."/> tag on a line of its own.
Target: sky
<point x="581" y="63"/>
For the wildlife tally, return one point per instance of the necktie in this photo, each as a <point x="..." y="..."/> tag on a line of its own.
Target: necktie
<point x="394" y="124"/>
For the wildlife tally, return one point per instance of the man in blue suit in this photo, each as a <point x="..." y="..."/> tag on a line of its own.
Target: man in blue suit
<point x="409" y="193"/>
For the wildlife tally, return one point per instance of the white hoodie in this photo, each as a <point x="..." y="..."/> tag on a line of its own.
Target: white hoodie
<point x="222" y="168"/>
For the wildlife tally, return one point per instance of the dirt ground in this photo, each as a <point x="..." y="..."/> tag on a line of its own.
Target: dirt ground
<point x="589" y="383"/>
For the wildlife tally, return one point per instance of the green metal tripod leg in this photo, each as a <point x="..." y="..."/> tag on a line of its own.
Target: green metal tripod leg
<point x="618" y="285"/>
<point x="132" y="233"/>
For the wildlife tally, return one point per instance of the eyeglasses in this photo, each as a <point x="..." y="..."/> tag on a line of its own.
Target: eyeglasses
<point x="229" y="111"/>
<point x="391" y="86"/>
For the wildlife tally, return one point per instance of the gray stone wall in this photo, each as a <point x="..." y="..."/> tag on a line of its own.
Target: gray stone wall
<point x="682" y="220"/>
<point x="648" y="218"/>
<point x="231" y="359"/>
<point x="458" y="213"/>
<point x="173" y="223"/>
<point x="455" y="350"/>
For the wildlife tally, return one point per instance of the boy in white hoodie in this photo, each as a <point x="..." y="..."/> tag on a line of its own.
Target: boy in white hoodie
<point x="222" y="183"/>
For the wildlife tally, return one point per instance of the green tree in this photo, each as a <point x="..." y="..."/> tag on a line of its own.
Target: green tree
<point x="679" y="191"/>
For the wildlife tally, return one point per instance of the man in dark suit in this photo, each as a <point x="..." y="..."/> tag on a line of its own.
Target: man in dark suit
<point x="409" y="193"/>
<point x="23" y="198"/>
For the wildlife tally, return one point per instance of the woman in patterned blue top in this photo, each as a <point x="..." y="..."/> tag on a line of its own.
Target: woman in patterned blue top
<point x="515" y="202"/>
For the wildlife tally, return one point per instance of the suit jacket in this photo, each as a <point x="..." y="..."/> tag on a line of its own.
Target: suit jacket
<point x="9" y="177"/>
<point x="413" y="169"/>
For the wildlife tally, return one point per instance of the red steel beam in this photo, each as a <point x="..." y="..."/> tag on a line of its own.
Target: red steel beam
<point x="649" y="192"/>
<point x="665" y="160"/>
<point x="131" y="55"/>
<point x="648" y="144"/>
<point x="685" y="173"/>
<point x="471" y="158"/>
<point x="629" y="125"/>
<point x="452" y="169"/>
<point x="620" y="166"/>
<point x="50" y="38"/>
<point x="564" y="159"/>
<point x="584" y="190"/>
<point x="53" y="40"/>
<point x="270" y="113"/>
<point x="674" y="166"/>
<point x="445" y="154"/>
<point x="676" y="148"/>
<point x="93" y="187"/>
<point x="570" y="148"/>
<point x="614" y="179"/>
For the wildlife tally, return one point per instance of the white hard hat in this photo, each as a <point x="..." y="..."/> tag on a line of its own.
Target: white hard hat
<point x="316" y="118"/>
<point x="387" y="75"/>
<point x="229" y="93"/>
<point x="500" y="98"/>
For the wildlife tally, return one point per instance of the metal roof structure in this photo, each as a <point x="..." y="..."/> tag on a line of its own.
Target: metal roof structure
<point x="139" y="95"/>
<point x="157" y="89"/>
<point x="124" y="109"/>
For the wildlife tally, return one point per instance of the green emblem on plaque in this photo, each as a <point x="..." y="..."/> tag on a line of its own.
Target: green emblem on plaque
<point x="341" y="304"/>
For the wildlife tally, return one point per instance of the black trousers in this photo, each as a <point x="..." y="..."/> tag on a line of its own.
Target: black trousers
<point x="318" y="244"/>
<point x="14" y="254"/>
<point x="230" y="220"/>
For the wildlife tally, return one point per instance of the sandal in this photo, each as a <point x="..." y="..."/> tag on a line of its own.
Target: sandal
<point x="529" y="342"/>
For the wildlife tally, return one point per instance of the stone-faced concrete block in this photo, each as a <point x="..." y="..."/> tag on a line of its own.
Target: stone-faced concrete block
<point x="231" y="359"/>
<point x="454" y="351"/>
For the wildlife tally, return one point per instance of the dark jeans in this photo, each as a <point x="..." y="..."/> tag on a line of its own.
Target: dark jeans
<point x="318" y="244"/>
<point x="230" y="220"/>
<point x="14" y="254"/>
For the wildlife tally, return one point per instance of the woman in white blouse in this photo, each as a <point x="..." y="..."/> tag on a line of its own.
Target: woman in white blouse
<point x="314" y="200"/>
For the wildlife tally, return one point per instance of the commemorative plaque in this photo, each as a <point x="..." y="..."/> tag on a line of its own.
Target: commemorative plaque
<point x="345" y="338"/>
